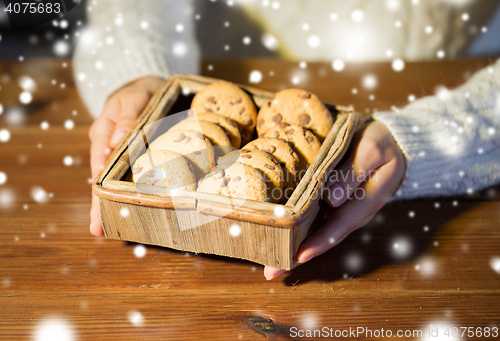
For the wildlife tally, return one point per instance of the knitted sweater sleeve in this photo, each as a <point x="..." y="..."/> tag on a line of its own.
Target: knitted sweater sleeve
<point x="127" y="40"/>
<point x="451" y="142"/>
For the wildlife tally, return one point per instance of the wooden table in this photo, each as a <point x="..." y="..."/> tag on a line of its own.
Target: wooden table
<point x="56" y="278"/>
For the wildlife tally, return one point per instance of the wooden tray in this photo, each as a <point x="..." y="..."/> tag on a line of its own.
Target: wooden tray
<point x="264" y="233"/>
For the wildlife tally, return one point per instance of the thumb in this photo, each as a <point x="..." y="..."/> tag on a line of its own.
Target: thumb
<point x="130" y="107"/>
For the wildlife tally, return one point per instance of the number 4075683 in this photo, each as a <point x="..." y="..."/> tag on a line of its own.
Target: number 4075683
<point x="31" y="7"/>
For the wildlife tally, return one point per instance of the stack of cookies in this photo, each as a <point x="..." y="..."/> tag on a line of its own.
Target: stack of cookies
<point x="290" y="130"/>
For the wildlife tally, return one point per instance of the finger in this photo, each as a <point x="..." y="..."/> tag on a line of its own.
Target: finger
<point x="130" y="106"/>
<point x="270" y="272"/>
<point x="95" y="218"/>
<point x="100" y="148"/>
<point x="99" y="152"/>
<point x="355" y="213"/>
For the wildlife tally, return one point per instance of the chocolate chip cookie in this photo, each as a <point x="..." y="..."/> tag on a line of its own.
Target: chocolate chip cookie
<point x="265" y="162"/>
<point x="295" y="106"/>
<point x="227" y="99"/>
<point x="236" y="180"/>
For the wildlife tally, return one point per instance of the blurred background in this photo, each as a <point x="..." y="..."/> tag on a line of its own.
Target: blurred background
<point x="298" y="31"/>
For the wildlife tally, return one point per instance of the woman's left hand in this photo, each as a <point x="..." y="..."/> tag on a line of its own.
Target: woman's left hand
<point x="373" y="172"/>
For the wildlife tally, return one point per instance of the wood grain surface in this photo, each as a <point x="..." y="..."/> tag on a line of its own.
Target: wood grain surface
<point x="57" y="278"/>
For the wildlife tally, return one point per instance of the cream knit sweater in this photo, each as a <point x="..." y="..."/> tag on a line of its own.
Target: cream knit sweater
<point x="451" y="141"/>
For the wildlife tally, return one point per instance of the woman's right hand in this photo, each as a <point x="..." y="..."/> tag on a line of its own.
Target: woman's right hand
<point x="120" y="112"/>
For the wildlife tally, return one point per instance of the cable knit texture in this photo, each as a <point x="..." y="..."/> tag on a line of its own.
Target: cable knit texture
<point x="450" y="141"/>
<point x="127" y="40"/>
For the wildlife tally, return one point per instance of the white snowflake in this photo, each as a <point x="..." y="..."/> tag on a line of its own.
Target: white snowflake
<point x="334" y="16"/>
<point x="4" y="135"/>
<point x="338" y="65"/>
<point x="124" y="212"/>
<point x="369" y="81"/>
<point x="427" y="266"/>
<point x="495" y="264"/>
<point x="69" y="124"/>
<point x="442" y="93"/>
<point x="27" y="83"/>
<point x="313" y="41"/>
<point x="270" y="41"/>
<point x="179" y="27"/>
<point x="234" y="230"/>
<point x="140" y="251"/>
<point x="398" y="65"/>
<point x="39" y="195"/>
<point x="309" y="321"/>
<point x="180" y="49"/>
<point x="255" y="76"/>
<point x="61" y="48"/>
<point x="247" y="40"/>
<point x="136" y="318"/>
<point x="392" y="5"/>
<point x="354" y="262"/>
<point x="119" y="21"/>
<point x="279" y="211"/>
<point x="68" y="161"/>
<point x="25" y="97"/>
<point x="3" y="178"/>
<point x="54" y="329"/>
<point x="401" y="247"/>
<point x="357" y="16"/>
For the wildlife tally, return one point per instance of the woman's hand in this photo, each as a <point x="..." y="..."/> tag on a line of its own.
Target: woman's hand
<point x="120" y="112"/>
<point x="357" y="190"/>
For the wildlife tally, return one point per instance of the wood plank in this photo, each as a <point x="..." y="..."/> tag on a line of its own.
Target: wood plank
<point x="51" y="267"/>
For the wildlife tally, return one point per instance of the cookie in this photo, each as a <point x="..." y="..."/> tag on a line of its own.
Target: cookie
<point x="266" y="163"/>
<point x="228" y="125"/>
<point x="228" y="100"/>
<point x="164" y="168"/>
<point x="218" y="138"/>
<point x="303" y="141"/>
<point x="192" y="145"/>
<point x="283" y="152"/>
<point x="295" y="106"/>
<point x="236" y="180"/>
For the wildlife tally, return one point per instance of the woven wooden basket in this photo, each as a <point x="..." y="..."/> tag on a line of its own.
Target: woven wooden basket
<point x="267" y="233"/>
